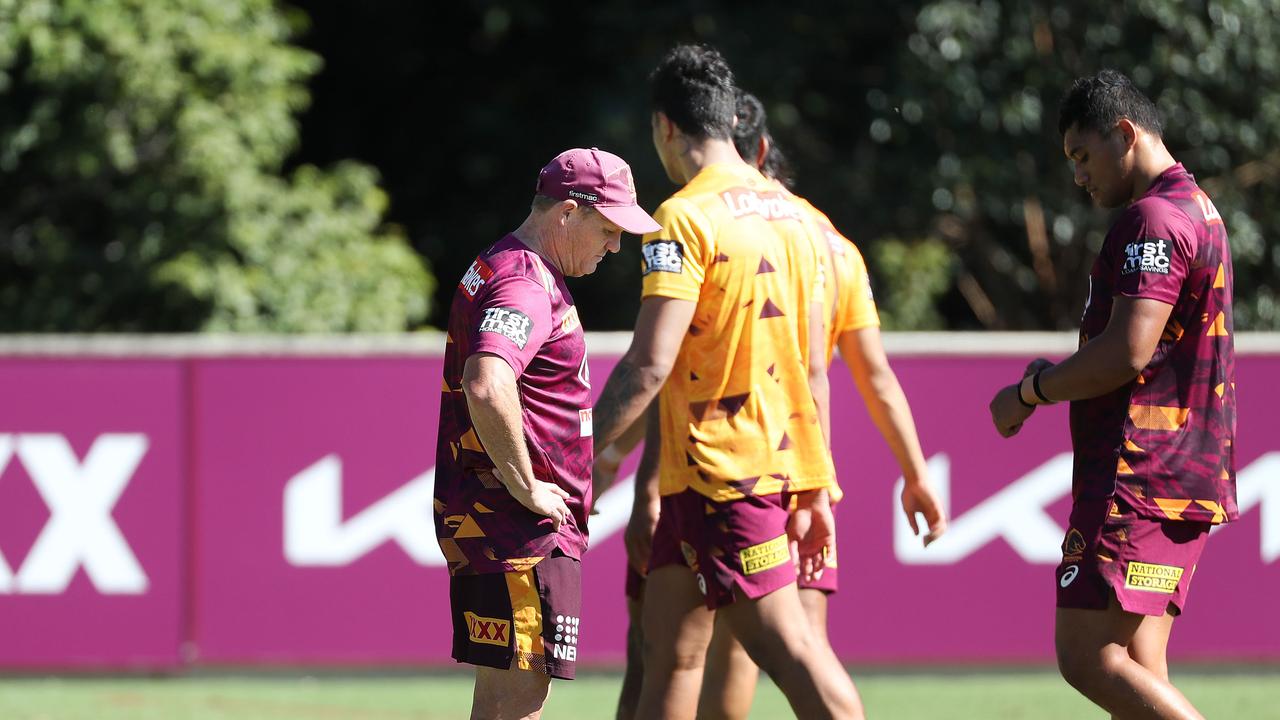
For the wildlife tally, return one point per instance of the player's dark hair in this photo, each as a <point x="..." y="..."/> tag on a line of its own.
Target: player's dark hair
<point x="1098" y="102"/>
<point x="751" y="126"/>
<point x="693" y="86"/>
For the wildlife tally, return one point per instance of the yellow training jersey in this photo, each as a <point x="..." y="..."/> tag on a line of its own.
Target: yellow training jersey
<point x="847" y="298"/>
<point x="737" y="415"/>
<point x="847" y="301"/>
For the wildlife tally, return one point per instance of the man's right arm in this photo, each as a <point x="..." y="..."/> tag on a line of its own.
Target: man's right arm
<point x="604" y="472"/>
<point x="493" y="400"/>
<point x="640" y="374"/>
<point x="887" y="405"/>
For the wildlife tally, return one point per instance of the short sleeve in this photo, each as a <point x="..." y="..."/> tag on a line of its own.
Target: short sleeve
<point x="512" y="321"/>
<point x="857" y="306"/>
<point x="1150" y="252"/>
<point x="674" y="259"/>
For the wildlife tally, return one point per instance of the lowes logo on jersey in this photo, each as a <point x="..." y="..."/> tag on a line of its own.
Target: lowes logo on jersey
<point x="771" y="205"/>
<point x="663" y="256"/>
<point x="509" y="323"/>
<point x="1150" y="256"/>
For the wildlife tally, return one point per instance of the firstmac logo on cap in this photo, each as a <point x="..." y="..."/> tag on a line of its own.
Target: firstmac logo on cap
<point x="585" y="196"/>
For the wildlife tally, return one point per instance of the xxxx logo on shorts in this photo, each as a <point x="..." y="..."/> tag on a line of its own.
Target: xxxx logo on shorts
<point x="1153" y="578"/>
<point x="490" y="631"/>
<point x="765" y="556"/>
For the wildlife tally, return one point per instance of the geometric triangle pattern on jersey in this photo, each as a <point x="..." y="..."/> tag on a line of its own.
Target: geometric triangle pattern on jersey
<point x="1172" y="507"/>
<point x="770" y="310"/>
<point x="1219" y="326"/>
<point x="731" y="404"/>
<point x="718" y="409"/>
<point x="468" y="528"/>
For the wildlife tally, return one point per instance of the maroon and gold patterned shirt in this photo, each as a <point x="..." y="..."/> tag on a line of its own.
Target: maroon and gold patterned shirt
<point x="1164" y="442"/>
<point x="513" y="304"/>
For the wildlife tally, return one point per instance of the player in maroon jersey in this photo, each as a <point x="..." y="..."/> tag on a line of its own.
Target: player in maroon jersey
<point x="1152" y="391"/>
<point x="513" y="459"/>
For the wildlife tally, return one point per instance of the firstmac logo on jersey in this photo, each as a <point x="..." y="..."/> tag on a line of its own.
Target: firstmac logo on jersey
<point x="476" y="276"/>
<point x="509" y="323"/>
<point x="663" y="256"/>
<point x="1150" y="256"/>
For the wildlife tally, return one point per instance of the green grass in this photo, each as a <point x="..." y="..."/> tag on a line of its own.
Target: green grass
<point x="1252" y="693"/>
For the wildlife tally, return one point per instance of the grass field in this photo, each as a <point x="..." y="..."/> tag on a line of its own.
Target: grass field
<point x="1237" y="693"/>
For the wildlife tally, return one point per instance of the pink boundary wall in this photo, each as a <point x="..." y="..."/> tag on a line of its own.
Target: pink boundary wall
<point x="280" y="513"/>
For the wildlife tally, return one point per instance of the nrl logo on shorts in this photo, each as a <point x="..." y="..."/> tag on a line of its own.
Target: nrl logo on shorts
<point x="509" y="323"/>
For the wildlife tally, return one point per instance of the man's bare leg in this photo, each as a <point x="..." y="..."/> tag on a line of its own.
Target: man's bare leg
<point x="677" y="630"/>
<point x="632" y="678"/>
<point x="1105" y="654"/>
<point x="509" y="694"/>
<point x="801" y="664"/>
<point x="729" y="682"/>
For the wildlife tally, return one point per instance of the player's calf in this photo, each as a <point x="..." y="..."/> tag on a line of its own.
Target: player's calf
<point x="509" y="694"/>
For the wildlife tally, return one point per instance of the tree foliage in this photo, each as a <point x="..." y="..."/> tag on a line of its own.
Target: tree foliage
<point x="926" y="129"/>
<point x="141" y="147"/>
<point x="976" y="106"/>
<point x="146" y="179"/>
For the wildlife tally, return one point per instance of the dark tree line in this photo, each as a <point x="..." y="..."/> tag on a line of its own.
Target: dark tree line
<point x="182" y="180"/>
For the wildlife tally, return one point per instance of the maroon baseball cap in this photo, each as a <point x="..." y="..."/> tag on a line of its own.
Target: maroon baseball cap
<point x="599" y="179"/>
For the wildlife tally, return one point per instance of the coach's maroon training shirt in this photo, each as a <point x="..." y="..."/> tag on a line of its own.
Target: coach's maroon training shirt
<point x="513" y="304"/>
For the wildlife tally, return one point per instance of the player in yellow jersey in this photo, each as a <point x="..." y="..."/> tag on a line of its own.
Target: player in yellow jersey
<point x="854" y="325"/>
<point x="730" y="332"/>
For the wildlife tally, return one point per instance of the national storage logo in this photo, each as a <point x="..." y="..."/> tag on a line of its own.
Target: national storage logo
<point x="1153" y="578"/>
<point x="765" y="556"/>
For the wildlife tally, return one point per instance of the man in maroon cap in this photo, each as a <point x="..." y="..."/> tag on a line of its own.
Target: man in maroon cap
<point x="513" y="458"/>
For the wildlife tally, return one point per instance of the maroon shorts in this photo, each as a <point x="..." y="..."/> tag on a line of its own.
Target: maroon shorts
<point x="528" y="617"/>
<point x="735" y="544"/>
<point x="664" y="551"/>
<point x="1147" y="563"/>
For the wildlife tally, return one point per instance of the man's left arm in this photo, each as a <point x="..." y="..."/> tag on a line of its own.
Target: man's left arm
<point x="1145" y="288"/>
<point x="640" y="374"/>
<point x="1110" y="360"/>
<point x="1107" y="362"/>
